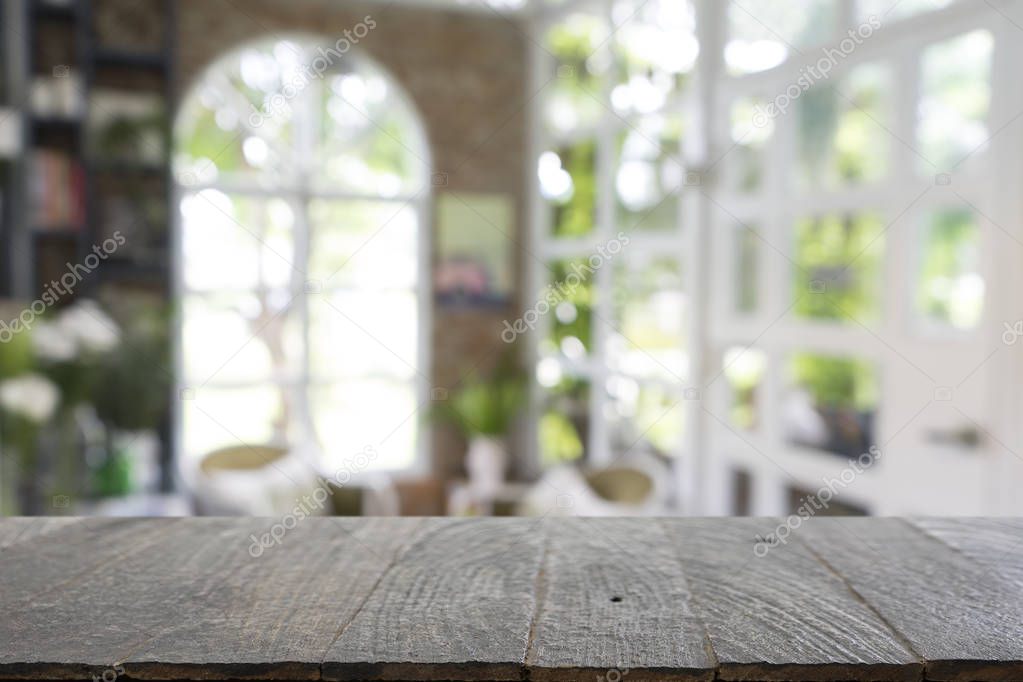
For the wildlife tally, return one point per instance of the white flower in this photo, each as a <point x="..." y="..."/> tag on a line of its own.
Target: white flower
<point x="92" y="328"/>
<point x="31" y="396"/>
<point x="53" y="343"/>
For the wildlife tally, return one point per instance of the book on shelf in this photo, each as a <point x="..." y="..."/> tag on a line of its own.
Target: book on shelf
<point x="56" y="192"/>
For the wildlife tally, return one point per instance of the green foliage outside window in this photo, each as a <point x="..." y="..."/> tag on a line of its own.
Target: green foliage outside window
<point x="564" y="424"/>
<point x="951" y="290"/>
<point x="837" y="271"/>
<point x="574" y="216"/>
<point x="836" y="382"/>
<point x="573" y="314"/>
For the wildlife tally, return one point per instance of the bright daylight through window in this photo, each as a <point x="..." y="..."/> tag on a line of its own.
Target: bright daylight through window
<point x="302" y="197"/>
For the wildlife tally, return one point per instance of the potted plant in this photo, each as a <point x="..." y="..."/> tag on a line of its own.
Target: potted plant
<point x="483" y="410"/>
<point x="28" y="401"/>
<point x="71" y="348"/>
<point x="131" y="402"/>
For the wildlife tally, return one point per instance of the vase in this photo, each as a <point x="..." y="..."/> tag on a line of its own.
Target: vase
<point x="486" y="461"/>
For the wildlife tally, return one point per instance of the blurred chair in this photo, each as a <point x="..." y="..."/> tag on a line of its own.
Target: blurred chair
<point x="269" y="480"/>
<point x="248" y="480"/>
<point x="637" y="486"/>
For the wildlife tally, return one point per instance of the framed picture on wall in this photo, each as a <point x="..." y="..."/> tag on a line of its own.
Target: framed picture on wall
<point x="473" y="264"/>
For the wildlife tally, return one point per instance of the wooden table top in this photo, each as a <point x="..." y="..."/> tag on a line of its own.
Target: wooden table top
<point x="602" y="600"/>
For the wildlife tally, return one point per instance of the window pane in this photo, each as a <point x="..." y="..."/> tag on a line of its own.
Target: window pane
<point x="955" y="92"/>
<point x="751" y="128"/>
<point x="565" y="416"/>
<point x="838" y="267"/>
<point x="656" y="47"/>
<point x="744" y="370"/>
<point x="363" y="244"/>
<point x="216" y="418"/>
<point x="649" y="174"/>
<point x="278" y="290"/>
<point x="650" y="310"/>
<point x="764" y="33"/>
<point x="644" y="418"/>
<point x="366" y="139"/>
<point x="360" y="334"/>
<point x="951" y="289"/>
<point x="573" y="97"/>
<point x="843" y="129"/>
<point x="237" y="123"/>
<point x="831" y="403"/>
<point x="257" y="233"/>
<point x="571" y="296"/>
<point x="567" y="181"/>
<point x="359" y="414"/>
<point x="747" y="258"/>
<point x="240" y="338"/>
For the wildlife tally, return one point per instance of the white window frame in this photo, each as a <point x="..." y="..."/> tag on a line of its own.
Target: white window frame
<point x="546" y="248"/>
<point x="299" y="195"/>
<point x="711" y="449"/>
<point x="765" y="454"/>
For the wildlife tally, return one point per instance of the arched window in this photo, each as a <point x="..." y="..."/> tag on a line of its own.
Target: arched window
<point x="301" y="254"/>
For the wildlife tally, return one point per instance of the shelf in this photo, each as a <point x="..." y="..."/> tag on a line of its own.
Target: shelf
<point x="114" y="269"/>
<point x="127" y="168"/>
<point x="58" y="232"/>
<point x="68" y="123"/>
<point x="112" y="57"/>
<point x="53" y="11"/>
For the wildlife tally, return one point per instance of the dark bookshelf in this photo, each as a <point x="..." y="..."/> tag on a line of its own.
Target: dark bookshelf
<point x="8" y="187"/>
<point x="53" y="11"/>
<point x="154" y="61"/>
<point x="66" y="40"/>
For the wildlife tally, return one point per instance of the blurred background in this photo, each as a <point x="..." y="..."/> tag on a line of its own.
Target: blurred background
<point x="540" y="257"/>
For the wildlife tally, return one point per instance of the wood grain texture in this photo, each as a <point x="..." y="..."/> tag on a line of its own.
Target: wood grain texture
<point x="274" y="615"/>
<point x="774" y="612"/>
<point x="100" y="594"/>
<point x="64" y="597"/>
<point x="964" y="620"/>
<point x="45" y="564"/>
<point x="457" y="605"/>
<point x="511" y="599"/>
<point x="22" y="528"/>
<point x="996" y="543"/>
<point x="194" y="602"/>
<point x="613" y="599"/>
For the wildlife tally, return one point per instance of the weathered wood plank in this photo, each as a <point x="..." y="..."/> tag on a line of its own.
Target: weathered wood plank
<point x="388" y="599"/>
<point x="67" y="554"/>
<point x="111" y="588"/>
<point x="22" y="528"/>
<point x="613" y="599"/>
<point x="773" y="612"/>
<point x="965" y="621"/>
<point x="997" y="543"/>
<point x="197" y="603"/>
<point x="274" y="615"/>
<point x="457" y="605"/>
<point x="64" y="601"/>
